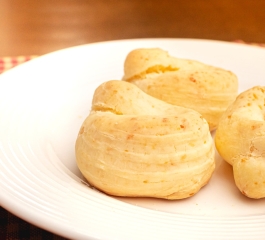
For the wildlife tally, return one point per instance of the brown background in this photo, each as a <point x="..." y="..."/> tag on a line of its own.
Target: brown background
<point x="35" y="27"/>
<point x="41" y="26"/>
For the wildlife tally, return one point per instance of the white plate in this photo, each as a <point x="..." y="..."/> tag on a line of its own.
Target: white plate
<point x="42" y="105"/>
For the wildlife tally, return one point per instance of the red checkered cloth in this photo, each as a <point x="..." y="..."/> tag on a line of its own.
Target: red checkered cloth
<point x="253" y="44"/>
<point x="10" y="62"/>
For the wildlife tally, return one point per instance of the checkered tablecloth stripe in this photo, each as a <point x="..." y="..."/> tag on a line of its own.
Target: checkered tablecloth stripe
<point x="253" y="44"/>
<point x="10" y="62"/>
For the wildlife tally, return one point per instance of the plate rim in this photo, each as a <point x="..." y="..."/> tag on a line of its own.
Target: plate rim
<point x="4" y="200"/>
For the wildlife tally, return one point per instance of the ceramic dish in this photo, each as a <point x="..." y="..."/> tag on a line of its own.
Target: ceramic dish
<point x="42" y="105"/>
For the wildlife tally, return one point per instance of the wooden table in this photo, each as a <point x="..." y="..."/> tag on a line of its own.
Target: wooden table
<point x="36" y="27"/>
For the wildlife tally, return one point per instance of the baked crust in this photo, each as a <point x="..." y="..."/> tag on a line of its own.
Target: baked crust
<point x="132" y="144"/>
<point x="240" y="140"/>
<point x="188" y="83"/>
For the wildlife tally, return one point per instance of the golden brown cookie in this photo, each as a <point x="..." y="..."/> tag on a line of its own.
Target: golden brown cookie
<point x="132" y="144"/>
<point x="188" y="83"/>
<point x="240" y="140"/>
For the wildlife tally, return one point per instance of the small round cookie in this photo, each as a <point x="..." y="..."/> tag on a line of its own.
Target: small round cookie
<point x="188" y="83"/>
<point x="240" y="140"/>
<point x="132" y="144"/>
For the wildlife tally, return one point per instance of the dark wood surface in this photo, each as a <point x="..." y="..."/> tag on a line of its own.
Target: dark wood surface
<point x="37" y="27"/>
